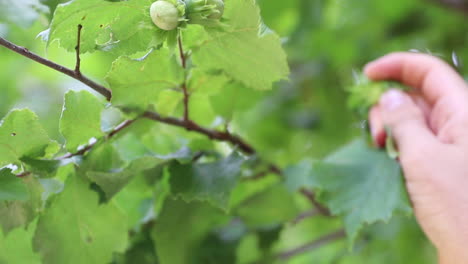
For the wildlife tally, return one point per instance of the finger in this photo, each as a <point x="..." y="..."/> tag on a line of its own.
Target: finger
<point x="434" y="78"/>
<point x="406" y="122"/>
<point x="377" y="127"/>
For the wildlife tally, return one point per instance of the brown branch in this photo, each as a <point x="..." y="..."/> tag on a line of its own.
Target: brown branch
<point x="87" y="148"/>
<point x="183" y="60"/>
<point x="458" y="5"/>
<point x="311" y="196"/>
<point x="305" y="215"/>
<point x="272" y="169"/>
<point x="212" y="134"/>
<point x="186" y="123"/>
<point x="26" y="53"/>
<point x="312" y="245"/>
<point x="23" y="174"/>
<point x="77" y="49"/>
<point x="120" y="127"/>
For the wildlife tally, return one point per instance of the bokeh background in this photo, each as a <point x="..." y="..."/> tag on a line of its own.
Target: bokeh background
<point x="326" y="41"/>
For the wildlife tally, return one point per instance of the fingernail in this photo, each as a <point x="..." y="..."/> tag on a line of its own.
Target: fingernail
<point x="391" y="100"/>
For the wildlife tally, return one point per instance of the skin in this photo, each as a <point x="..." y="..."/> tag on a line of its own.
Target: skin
<point x="430" y="128"/>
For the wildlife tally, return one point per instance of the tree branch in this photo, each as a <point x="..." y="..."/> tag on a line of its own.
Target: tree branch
<point x="77" y="48"/>
<point x="212" y="134"/>
<point x="305" y="215"/>
<point x="26" y="53"/>
<point x="87" y="148"/>
<point x="186" y="123"/>
<point x="184" y="85"/>
<point x="311" y="196"/>
<point x="458" y="5"/>
<point x="312" y="245"/>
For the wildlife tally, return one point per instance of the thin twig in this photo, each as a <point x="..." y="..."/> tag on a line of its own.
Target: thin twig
<point x="23" y="174"/>
<point x="311" y="196"/>
<point x="305" y="215"/>
<point x="184" y="85"/>
<point x="458" y="5"/>
<point x="120" y="127"/>
<point x="26" y="53"/>
<point x="77" y="49"/>
<point x="312" y="245"/>
<point x="272" y="169"/>
<point x="212" y="134"/>
<point x="87" y="148"/>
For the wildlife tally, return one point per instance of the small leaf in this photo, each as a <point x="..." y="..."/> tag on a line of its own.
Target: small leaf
<point x="181" y="227"/>
<point x="271" y="207"/>
<point x="212" y="182"/>
<point x="42" y="167"/>
<point x="361" y="184"/>
<point x="108" y="25"/>
<point x="81" y="119"/>
<point x="21" y="135"/>
<point x="300" y="175"/>
<point x="112" y="182"/>
<point x="137" y="83"/>
<point x="245" y="43"/>
<point x="16" y="214"/>
<point x="16" y="247"/>
<point x="11" y="187"/>
<point x="76" y="229"/>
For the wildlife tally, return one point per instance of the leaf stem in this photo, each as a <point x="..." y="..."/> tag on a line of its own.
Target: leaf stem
<point x="312" y="198"/>
<point x="312" y="245"/>
<point x="458" y="5"/>
<point x="77" y="48"/>
<point x="183" y="60"/>
<point x="212" y="134"/>
<point x="26" y="53"/>
<point x="87" y="148"/>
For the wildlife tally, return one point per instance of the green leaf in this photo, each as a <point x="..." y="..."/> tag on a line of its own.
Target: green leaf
<point x="212" y="182"/>
<point x="110" y="24"/>
<point x="21" y="135"/>
<point x="43" y="167"/>
<point x="12" y="187"/>
<point x="179" y="229"/>
<point x="76" y="229"/>
<point x="20" y="213"/>
<point x="137" y="83"/>
<point x="81" y="119"/>
<point x="103" y="158"/>
<point x="246" y="42"/>
<point x="271" y="207"/>
<point x="361" y="184"/>
<point x="300" y="175"/>
<point x="112" y="182"/>
<point x="136" y="199"/>
<point x="232" y="98"/>
<point x="104" y="167"/>
<point x="16" y="247"/>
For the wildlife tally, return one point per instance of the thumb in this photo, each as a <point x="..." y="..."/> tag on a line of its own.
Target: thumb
<point x="406" y="121"/>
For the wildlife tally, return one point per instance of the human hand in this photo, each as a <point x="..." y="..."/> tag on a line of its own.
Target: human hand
<point x="430" y="128"/>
